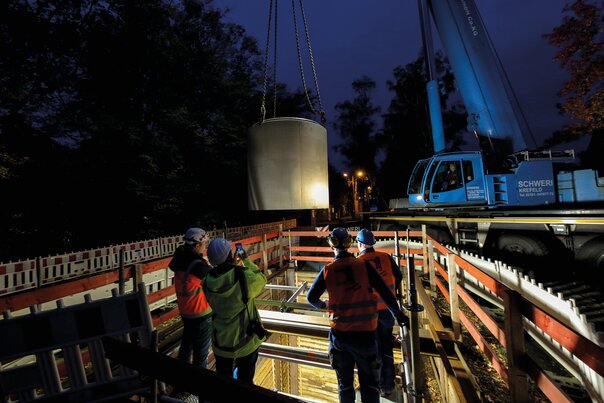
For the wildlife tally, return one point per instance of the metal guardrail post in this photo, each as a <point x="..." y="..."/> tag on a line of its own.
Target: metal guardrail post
<point x="416" y="388"/>
<point x="289" y="243"/>
<point x="121" y="274"/>
<point x="431" y="267"/>
<point x="264" y="253"/>
<point x="154" y="381"/>
<point x="38" y="271"/>
<point x="280" y="246"/>
<point x="397" y="258"/>
<point x="424" y="249"/>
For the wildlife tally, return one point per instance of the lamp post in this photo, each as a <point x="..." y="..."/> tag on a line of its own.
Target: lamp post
<point x="358" y="201"/>
<point x="353" y="181"/>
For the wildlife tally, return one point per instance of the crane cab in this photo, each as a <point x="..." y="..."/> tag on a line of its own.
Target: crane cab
<point x="448" y="179"/>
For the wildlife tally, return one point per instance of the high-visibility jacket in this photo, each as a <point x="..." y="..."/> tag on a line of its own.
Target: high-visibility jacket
<point x="232" y="335"/>
<point x="191" y="300"/>
<point x="382" y="263"/>
<point x="352" y="303"/>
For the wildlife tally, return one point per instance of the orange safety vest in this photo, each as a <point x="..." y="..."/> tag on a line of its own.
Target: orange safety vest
<point x="352" y="303"/>
<point x="191" y="300"/>
<point x="380" y="261"/>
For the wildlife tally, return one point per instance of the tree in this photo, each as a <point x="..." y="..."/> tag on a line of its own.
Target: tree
<point x="119" y="120"/>
<point x="357" y="128"/>
<point x="580" y="39"/>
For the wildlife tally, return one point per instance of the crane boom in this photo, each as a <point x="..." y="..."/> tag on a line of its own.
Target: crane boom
<point x="487" y="94"/>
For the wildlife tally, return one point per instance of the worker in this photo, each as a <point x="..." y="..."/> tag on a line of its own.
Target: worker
<point x="451" y="180"/>
<point x="231" y="289"/>
<point x="353" y="315"/>
<point x="190" y="267"/>
<point x="385" y="265"/>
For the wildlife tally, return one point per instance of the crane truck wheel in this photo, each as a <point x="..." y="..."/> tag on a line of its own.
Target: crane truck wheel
<point x="440" y="235"/>
<point x="521" y="245"/>
<point x="590" y="257"/>
<point x="529" y="253"/>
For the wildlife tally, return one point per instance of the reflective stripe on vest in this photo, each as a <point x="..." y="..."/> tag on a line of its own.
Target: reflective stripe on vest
<point x="380" y="261"/>
<point x="191" y="300"/>
<point x="352" y="304"/>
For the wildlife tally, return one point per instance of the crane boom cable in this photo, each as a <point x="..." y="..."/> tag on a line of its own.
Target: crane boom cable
<point x="275" y="65"/>
<point x="273" y="14"/>
<point x="312" y="63"/>
<point x="265" y="85"/>
<point x="310" y="104"/>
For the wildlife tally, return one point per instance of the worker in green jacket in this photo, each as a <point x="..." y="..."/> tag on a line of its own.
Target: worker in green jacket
<point x="237" y="328"/>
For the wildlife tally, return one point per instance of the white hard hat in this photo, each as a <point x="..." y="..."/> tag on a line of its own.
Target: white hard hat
<point x="218" y="251"/>
<point x="194" y="235"/>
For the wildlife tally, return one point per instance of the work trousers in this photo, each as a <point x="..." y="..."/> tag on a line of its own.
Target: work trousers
<point x="385" y="347"/>
<point x="241" y="368"/>
<point x="347" y="349"/>
<point x="196" y="340"/>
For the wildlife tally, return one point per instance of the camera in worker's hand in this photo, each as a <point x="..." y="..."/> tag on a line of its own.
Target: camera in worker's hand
<point x="240" y="251"/>
<point x="256" y="327"/>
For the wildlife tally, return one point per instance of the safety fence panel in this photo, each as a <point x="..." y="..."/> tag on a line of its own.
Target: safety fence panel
<point x="158" y="280"/>
<point x="136" y="252"/>
<point x="32" y="273"/>
<point x="169" y="244"/>
<point x="77" y="264"/>
<point x="17" y="276"/>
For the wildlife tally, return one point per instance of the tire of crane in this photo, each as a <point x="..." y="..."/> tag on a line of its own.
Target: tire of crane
<point x="520" y="245"/>
<point x="590" y="256"/>
<point x="440" y="235"/>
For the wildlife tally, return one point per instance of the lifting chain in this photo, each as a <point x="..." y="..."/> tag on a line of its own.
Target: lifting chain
<point x="321" y="112"/>
<point x="265" y="84"/>
<point x="312" y="62"/>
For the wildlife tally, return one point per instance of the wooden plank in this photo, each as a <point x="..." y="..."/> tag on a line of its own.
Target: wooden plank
<point x="57" y="291"/>
<point x="547" y="385"/>
<point x="478" y="339"/>
<point x="155" y="265"/>
<point x="159" y="294"/>
<point x="484" y="317"/>
<point x="489" y="282"/>
<point x="584" y="349"/>
<point x="514" y="336"/>
<point x="453" y="299"/>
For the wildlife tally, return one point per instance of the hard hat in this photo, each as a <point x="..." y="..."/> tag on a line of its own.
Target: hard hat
<point x="218" y="251"/>
<point x="339" y="238"/>
<point x="194" y="235"/>
<point x="366" y="237"/>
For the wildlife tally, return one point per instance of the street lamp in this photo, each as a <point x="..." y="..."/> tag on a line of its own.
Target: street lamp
<point x="358" y="194"/>
<point x="358" y="204"/>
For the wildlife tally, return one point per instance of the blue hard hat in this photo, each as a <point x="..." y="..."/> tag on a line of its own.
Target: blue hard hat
<point x="218" y="251"/>
<point x="339" y="238"/>
<point x="366" y="237"/>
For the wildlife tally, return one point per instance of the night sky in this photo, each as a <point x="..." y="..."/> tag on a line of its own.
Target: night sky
<point x="351" y="38"/>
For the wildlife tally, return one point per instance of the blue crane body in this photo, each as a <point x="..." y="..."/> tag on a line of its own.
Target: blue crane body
<point x="505" y="199"/>
<point x="504" y="172"/>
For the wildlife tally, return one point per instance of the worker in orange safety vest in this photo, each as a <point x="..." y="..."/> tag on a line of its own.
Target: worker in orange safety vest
<point x="352" y="308"/>
<point x="385" y="265"/>
<point x="190" y="267"/>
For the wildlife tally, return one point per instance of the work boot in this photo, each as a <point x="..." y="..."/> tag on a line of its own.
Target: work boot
<point x="387" y="392"/>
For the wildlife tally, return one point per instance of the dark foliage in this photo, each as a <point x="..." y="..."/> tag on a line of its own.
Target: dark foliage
<point x="122" y="120"/>
<point x="406" y="136"/>
<point x="580" y="40"/>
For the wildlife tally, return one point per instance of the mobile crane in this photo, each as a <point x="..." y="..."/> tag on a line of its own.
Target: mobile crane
<point x="503" y="198"/>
